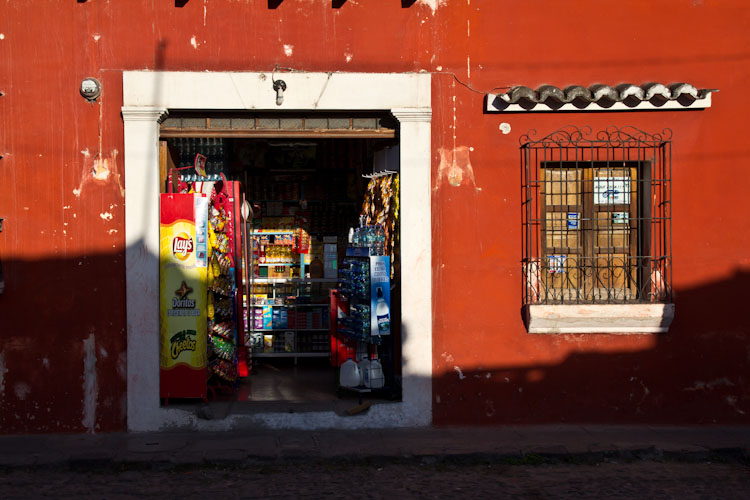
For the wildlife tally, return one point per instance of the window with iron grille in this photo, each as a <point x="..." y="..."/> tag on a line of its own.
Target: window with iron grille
<point x="596" y="217"/>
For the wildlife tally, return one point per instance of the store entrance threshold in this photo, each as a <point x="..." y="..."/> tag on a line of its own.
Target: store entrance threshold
<point x="284" y="385"/>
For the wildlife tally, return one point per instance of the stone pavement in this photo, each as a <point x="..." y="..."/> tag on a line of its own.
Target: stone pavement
<point x="389" y="481"/>
<point x="508" y="444"/>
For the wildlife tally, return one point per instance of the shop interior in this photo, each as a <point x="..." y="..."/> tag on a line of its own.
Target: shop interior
<point x="302" y="227"/>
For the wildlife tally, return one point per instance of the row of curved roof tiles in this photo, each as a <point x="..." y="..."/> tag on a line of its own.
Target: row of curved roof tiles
<point x="597" y="92"/>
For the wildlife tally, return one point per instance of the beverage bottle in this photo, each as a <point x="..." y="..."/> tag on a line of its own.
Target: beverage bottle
<point x="364" y="371"/>
<point x="376" y="376"/>
<point x="349" y="375"/>
<point x="383" y="313"/>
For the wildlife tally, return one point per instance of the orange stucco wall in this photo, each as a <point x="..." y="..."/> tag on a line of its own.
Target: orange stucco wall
<point x="62" y="316"/>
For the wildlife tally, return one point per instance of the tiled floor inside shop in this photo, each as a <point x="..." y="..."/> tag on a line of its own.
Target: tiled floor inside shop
<point x="281" y="385"/>
<point x="287" y="379"/>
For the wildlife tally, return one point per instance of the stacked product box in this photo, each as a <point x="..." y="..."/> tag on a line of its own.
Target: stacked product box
<point x="314" y="318"/>
<point x="330" y="259"/>
<point x="279" y="318"/>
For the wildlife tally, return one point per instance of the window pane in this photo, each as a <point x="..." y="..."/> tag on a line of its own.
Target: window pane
<point x="562" y="229"/>
<point x="561" y="277"/>
<point x="613" y="230"/>
<point x="562" y="186"/>
<point x="614" y="278"/>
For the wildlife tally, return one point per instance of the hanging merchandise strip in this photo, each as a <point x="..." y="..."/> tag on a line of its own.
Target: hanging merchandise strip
<point x="224" y="369"/>
<point x="223" y="348"/>
<point x="221" y="328"/>
<point x="381" y="206"/>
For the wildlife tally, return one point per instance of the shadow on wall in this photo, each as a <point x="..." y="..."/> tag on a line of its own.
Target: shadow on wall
<point x="697" y="373"/>
<point x="63" y="361"/>
<point x="63" y="344"/>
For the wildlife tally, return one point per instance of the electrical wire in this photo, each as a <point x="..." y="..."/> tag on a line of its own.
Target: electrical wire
<point x="454" y="75"/>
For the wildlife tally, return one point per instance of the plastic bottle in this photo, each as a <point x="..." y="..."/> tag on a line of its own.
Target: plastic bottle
<point x="376" y="377"/>
<point x="364" y="371"/>
<point x="349" y="376"/>
<point x="383" y="313"/>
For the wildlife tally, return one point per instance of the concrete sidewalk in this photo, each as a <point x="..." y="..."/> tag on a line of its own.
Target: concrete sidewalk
<point x="510" y="444"/>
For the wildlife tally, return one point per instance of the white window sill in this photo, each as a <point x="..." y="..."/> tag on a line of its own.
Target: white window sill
<point x="599" y="318"/>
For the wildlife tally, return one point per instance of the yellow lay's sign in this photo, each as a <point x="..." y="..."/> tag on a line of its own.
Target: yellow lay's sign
<point x="183" y="295"/>
<point x="182" y="245"/>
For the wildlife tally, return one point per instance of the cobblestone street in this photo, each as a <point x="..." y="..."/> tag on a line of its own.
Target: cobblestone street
<point x="330" y="480"/>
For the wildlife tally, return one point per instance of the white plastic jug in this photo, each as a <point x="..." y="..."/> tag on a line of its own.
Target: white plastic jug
<point x="377" y="379"/>
<point x="364" y="371"/>
<point x="349" y="376"/>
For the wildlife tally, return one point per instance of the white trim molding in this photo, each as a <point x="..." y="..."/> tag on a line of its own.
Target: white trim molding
<point x="147" y="97"/>
<point x="599" y="318"/>
<point x="141" y="126"/>
<point x="412" y="115"/>
<point x="145" y="114"/>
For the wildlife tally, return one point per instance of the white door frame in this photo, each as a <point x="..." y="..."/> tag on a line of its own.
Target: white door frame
<point x="147" y="98"/>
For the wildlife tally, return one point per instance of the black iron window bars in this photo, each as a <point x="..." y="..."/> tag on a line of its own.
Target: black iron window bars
<point x="596" y="216"/>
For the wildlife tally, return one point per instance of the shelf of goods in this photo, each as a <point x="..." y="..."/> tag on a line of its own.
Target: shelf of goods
<point x="362" y="342"/>
<point x="222" y="294"/>
<point x="287" y="313"/>
<point x="363" y="334"/>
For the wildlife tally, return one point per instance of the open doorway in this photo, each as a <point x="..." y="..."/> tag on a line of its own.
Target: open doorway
<point x="149" y="97"/>
<point x="310" y="206"/>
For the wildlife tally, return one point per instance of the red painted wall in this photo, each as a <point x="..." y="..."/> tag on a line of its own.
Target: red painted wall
<point x="62" y="316"/>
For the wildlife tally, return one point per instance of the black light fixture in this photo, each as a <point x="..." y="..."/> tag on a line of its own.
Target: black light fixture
<point x="279" y="86"/>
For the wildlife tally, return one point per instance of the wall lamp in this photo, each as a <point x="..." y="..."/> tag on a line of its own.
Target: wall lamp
<point x="90" y="89"/>
<point x="279" y="86"/>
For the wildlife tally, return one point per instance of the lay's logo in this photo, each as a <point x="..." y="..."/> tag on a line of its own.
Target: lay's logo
<point x="182" y="246"/>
